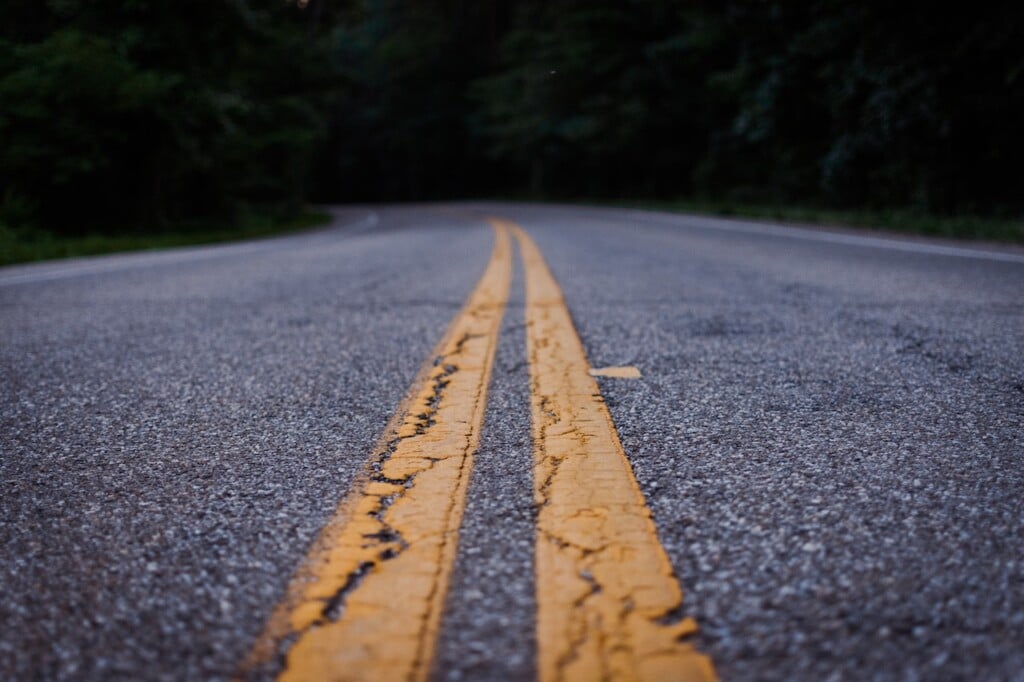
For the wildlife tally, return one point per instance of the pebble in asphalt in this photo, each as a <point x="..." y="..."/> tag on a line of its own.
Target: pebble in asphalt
<point x="174" y="438"/>
<point x="487" y="631"/>
<point x="830" y="441"/>
<point x="828" y="435"/>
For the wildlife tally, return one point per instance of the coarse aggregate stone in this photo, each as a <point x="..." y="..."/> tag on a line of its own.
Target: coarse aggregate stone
<point x="488" y="627"/>
<point x="829" y="436"/>
<point x="174" y="436"/>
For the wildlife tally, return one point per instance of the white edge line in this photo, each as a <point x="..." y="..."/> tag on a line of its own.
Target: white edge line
<point x="809" y="234"/>
<point x="129" y="260"/>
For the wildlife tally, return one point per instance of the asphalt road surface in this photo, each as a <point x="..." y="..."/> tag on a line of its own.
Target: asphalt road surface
<point x="828" y="430"/>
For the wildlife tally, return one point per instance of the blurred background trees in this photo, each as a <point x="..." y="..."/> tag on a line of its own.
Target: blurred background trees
<point x="139" y="114"/>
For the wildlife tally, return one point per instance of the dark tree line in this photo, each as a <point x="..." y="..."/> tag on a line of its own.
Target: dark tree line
<point x="148" y="113"/>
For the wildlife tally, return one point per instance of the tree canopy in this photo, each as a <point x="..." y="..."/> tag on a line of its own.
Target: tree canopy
<point x="135" y="114"/>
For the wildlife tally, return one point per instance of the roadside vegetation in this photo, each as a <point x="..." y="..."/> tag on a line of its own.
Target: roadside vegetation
<point x="25" y="244"/>
<point x="183" y="119"/>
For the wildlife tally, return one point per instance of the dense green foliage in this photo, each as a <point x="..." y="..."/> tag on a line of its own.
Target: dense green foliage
<point x="140" y="113"/>
<point x="152" y="114"/>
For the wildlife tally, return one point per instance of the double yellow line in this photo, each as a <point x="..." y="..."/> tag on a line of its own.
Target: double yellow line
<point x="367" y="603"/>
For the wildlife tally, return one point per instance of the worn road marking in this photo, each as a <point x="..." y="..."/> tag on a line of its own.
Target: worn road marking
<point x="616" y="372"/>
<point x="608" y="601"/>
<point x="369" y="602"/>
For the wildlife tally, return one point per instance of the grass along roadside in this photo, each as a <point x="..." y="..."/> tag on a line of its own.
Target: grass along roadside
<point x="905" y="221"/>
<point x="21" y="245"/>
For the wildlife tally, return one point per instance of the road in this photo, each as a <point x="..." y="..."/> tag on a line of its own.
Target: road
<point x="827" y="430"/>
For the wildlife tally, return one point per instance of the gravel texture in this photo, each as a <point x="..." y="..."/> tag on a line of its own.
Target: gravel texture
<point x="829" y="434"/>
<point x="175" y="435"/>
<point x="487" y="631"/>
<point x="830" y="438"/>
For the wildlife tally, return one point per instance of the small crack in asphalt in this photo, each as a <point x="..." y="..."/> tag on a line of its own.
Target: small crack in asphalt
<point x="336" y="604"/>
<point x="388" y="537"/>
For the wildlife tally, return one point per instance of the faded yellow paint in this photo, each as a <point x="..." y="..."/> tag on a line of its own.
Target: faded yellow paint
<point x="368" y="603"/>
<point x="607" y="597"/>
<point x="616" y="372"/>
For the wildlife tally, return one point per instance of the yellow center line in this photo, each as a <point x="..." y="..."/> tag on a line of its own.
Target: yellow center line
<point x="367" y="604"/>
<point x="608" y="601"/>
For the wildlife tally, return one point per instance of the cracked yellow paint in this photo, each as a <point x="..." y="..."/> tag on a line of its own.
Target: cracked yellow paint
<point x="616" y="372"/>
<point x="607" y="598"/>
<point x="367" y="605"/>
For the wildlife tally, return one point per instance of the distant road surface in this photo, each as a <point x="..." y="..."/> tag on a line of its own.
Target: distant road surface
<point x="478" y="441"/>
